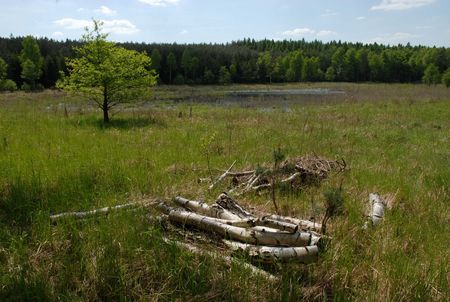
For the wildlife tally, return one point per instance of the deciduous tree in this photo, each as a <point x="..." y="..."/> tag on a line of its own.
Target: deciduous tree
<point x="108" y="74"/>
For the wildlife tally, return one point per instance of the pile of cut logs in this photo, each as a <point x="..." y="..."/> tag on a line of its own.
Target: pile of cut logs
<point x="269" y="238"/>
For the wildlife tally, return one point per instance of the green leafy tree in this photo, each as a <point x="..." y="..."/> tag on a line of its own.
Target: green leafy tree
<point x="431" y="75"/>
<point x="208" y="77"/>
<point x="446" y="78"/>
<point x="265" y="65"/>
<point x="311" y="69"/>
<point x="338" y="63"/>
<point x="5" y="84"/>
<point x="31" y="62"/>
<point x="224" y="75"/>
<point x="186" y="62"/>
<point x="171" y="64"/>
<point x="330" y="74"/>
<point x="156" y="59"/>
<point x="106" y="73"/>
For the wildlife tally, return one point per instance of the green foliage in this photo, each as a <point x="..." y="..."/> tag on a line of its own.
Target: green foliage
<point x="8" y="85"/>
<point x="446" y="78"/>
<point x="431" y="75"/>
<point x="171" y="64"/>
<point x="3" y="69"/>
<point x="278" y="156"/>
<point x="108" y="74"/>
<point x="224" y="76"/>
<point x="208" y="77"/>
<point x="330" y="74"/>
<point x="156" y="59"/>
<point x="179" y="79"/>
<point x="265" y="65"/>
<point x="31" y="62"/>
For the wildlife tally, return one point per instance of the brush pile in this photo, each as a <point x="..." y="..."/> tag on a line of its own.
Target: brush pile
<point x="294" y="173"/>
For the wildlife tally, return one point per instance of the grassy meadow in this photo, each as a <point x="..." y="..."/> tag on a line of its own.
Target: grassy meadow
<point x="57" y="156"/>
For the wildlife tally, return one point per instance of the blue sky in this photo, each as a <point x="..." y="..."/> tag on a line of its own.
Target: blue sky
<point x="424" y="22"/>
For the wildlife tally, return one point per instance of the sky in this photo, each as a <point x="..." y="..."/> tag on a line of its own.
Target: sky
<point x="425" y="22"/>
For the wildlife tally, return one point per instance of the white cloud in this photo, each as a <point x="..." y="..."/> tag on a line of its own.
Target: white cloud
<point x="308" y="31"/>
<point x="324" y="33"/>
<point x="106" y="11"/>
<point x="159" y="2"/>
<point x="116" y="26"/>
<point x="183" y="32"/>
<point x="80" y="9"/>
<point x="329" y="13"/>
<point x="298" y="32"/>
<point x="360" y="18"/>
<point x="388" y="5"/>
<point x="57" y="34"/>
<point x="394" y="38"/>
<point x="69" y="23"/>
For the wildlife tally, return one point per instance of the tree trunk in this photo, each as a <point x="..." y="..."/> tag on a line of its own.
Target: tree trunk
<point x="105" y="106"/>
<point x="307" y="254"/>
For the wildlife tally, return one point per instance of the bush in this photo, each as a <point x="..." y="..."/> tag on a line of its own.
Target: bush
<point x="8" y="85"/>
<point x="179" y="80"/>
<point x="446" y="78"/>
<point x="431" y="75"/>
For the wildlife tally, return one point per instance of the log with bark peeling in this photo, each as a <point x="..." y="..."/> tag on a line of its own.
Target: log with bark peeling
<point x="104" y="211"/>
<point x="307" y="254"/>
<point x="209" y="224"/>
<point x="377" y="207"/>
<point x="232" y="206"/>
<point x="303" y="224"/>
<point x="205" y="209"/>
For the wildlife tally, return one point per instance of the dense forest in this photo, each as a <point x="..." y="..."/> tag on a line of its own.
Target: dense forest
<point x="250" y="61"/>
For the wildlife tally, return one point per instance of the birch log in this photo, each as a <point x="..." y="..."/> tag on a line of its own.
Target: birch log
<point x="307" y="254"/>
<point x="242" y="234"/>
<point x="80" y="215"/>
<point x="205" y="209"/>
<point x="303" y="224"/>
<point x="377" y="207"/>
<point x="231" y="205"/>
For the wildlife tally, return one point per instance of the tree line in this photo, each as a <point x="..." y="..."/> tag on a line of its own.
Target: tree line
<point x="30" y="63"/>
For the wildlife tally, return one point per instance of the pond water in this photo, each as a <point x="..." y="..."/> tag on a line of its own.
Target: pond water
<point x="284" y="92"/>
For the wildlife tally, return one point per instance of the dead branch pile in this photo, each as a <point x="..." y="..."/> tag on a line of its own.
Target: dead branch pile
<point x="270" y="238"/>
<point x="295" y="173"/>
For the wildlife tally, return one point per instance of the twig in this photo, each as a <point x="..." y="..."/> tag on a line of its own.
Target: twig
<point x="221" y="177"/>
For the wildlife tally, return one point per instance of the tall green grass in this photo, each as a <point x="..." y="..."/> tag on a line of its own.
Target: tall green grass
<point x="52" y="162"/>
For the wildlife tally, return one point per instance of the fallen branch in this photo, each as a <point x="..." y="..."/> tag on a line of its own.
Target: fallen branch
<point x="303" y="224"/>
<point x="221" y="177"/>
<point x="307" y="254"/>
<point x="231" y="205"/>
<point x="227" y="259"/>
<point x="205" y="209"/>
<point x="105" y="210"/>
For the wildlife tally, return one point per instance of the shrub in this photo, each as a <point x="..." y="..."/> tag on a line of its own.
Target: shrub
<point x="446" y="78"/>
<point x="8" y="85"/>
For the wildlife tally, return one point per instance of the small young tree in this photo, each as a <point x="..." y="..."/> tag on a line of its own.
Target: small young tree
<point x="5" y="84"/>
<point x="431" y="75"/>
<point x="446" y="78"/>
<point x="31" y="62"/>
<point x="171" y="64"/>
<point x="106" y="73"/>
